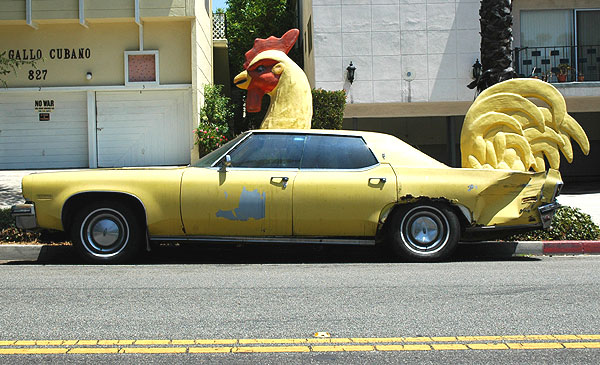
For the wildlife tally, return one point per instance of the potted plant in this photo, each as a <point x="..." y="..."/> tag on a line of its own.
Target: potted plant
<point x="563" y="70"/>
<point x="580" y="77"/>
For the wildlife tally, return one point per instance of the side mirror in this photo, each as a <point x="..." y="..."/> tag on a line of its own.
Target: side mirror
<point x="226" y="163"/>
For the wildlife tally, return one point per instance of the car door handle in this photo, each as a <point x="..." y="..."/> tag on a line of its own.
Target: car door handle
<point x="280" y="180"/>
<point x="377" y="180"/>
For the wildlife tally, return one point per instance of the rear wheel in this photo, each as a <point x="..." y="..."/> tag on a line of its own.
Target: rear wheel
<point x="424" y="232"/>
<point x="107" y="232"/>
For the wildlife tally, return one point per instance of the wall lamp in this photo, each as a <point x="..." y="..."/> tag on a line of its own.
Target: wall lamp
<point x="88" y="76"/>
<point x="350" y="73"/>
<point x="477" y="69"/>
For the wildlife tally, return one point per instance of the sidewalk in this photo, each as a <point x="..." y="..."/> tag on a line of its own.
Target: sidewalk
<point x="587" y="199"/>
<point x="10" y="186"/>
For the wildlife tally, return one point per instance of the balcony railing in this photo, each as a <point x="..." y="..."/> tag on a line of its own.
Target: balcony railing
<point x="219" y="26"/>
<point x="582" y="63"/>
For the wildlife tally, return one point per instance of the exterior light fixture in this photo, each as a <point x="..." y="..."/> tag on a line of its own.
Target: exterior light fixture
<point x="350" y="73"/>
<point x="477" y="69"/>
<point x="88" y="76"/>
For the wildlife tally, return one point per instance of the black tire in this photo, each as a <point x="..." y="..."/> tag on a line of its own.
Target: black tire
<point x="107" y="232"/>
<point x="424" y="232"/>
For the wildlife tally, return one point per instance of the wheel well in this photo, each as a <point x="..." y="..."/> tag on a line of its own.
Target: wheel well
<point x="76" y="202"/>
<point x="456" y="210"/>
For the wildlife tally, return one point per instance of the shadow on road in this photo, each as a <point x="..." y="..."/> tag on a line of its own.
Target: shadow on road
<point x="275" y="254"/>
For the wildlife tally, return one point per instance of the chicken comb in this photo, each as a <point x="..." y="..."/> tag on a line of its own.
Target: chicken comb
<point x="284" y="44"/>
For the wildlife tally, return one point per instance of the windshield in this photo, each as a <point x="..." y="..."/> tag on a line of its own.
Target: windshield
<point x="213" y="156"/>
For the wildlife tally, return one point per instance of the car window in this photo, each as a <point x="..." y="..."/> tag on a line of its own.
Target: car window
<point x="266" y="150"/>
<point x="210" y="158"/>
<point x="336" y="152"/>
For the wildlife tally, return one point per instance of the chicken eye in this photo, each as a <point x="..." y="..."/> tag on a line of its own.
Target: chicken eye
<point x="261" y="69"/>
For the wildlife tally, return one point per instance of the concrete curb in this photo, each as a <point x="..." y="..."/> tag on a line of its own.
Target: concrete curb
<point x="537" y="248"/>
<point x="48" y="253"/>
<point x="35" y="253"/>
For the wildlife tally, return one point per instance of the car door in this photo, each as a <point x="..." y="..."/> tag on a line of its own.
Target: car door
<point x="252" y="197"/>
<point x="341" y="188"/>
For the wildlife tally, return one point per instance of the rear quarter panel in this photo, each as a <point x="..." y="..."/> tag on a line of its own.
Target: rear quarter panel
<point x="493" y="197"/>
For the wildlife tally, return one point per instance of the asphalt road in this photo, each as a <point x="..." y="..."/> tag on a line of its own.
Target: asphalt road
<point x="235" y="297"/>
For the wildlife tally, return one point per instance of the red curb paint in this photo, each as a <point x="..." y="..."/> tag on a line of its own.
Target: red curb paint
<point x="563" y="247"/>
<point x="591" y="247"/>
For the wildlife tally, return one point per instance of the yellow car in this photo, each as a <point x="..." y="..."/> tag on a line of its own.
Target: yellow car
<point x="304" y="186"/>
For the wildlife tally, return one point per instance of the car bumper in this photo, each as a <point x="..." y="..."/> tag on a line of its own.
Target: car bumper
<point x="547" y="213"/>
<point x="24" y="215"/>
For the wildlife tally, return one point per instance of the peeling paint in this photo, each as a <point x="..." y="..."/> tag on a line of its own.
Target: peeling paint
<point x="471" y="187"/>
<point x="251" y="205"/>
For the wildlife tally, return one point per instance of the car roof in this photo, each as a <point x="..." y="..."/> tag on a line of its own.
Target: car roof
<point x="386" y="147"/>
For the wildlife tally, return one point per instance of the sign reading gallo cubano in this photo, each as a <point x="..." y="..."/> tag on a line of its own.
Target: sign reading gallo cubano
<point x="30" y="54"/>
<point x="42" y="56"/>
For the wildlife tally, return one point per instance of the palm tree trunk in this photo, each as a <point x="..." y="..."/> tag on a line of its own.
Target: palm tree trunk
<point x="496" y="43"/>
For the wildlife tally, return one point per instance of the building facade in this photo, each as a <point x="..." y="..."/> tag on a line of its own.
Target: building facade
<point x="414" y="60"/>
<point x="112" y="83"/>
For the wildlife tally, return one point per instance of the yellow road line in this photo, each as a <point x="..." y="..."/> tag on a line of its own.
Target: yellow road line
<point x="31" y="351"/>
<point x="450" y="346"/>
<point x="535" y="345"/>
<point x="308" y="341"/>
<point x="487" y="346"/>
<point x="209" y="350"/>
<point x="273" y="345"/>
<point x="300" y="348"/>
<point x="402" y="348"/>
<point x="254" y="349"/>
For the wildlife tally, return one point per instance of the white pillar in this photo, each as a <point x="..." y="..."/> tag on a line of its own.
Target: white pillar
<point x="92" y="131"/>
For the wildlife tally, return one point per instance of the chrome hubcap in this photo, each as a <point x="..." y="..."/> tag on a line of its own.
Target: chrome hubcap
<point x="104" y="232"/>
<point x="425" y="230"/>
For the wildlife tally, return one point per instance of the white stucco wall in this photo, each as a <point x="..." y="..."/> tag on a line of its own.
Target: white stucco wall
<point x="436" y="39"/>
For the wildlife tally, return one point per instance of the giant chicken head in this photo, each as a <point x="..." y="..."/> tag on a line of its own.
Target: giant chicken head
<point x="268" y="70"/>
<point x="265" y="63"/>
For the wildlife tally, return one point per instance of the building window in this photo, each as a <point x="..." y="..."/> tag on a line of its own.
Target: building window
<point x="559" y="41"/>
<point x="141" y="68"/>
<point x="309" y="40"/>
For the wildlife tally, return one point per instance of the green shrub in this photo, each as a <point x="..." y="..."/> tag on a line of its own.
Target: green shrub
<point x="215" y="118"/>
<point x="568" y="224"/>
<point x="217" y="108"/>
<point x="328" y="109"/>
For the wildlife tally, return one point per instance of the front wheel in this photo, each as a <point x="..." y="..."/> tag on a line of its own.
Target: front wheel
<point x="107" y="232"/>
<point x="424" y="232"/>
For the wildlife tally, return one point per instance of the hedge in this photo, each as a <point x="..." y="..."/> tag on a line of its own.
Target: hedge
<point x="568" y="224"/>
<point x="328" y="109"/>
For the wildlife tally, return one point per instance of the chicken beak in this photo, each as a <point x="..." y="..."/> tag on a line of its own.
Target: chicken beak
<point x="242" y="80"/>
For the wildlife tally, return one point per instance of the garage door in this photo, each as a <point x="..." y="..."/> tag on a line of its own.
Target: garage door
<point x="26" y="142"/>
<point x="147" y="128"/>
